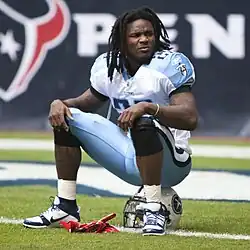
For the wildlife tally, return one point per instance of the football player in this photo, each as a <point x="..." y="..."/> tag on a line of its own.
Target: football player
<point x="150" y="87"/>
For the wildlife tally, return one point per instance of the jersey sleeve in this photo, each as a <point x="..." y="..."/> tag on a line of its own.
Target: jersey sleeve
<point x="97" y="75"/>
<point x="180" y="72"/>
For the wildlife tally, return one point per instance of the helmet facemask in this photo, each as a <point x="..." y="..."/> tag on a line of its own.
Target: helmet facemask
<point x="133" y="212"/>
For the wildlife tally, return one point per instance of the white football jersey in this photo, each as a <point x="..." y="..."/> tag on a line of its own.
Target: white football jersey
<point x="154" y="83"/>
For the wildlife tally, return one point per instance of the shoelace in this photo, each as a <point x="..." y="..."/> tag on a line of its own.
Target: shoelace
<point x="154" y="218"/>
<point x="52" y="208"/>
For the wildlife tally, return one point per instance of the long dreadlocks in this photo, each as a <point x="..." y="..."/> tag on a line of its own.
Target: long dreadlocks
<point x="117" y="40"/>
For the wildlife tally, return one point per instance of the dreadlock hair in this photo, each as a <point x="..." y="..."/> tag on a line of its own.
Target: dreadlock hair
<point x="117" y="40"/>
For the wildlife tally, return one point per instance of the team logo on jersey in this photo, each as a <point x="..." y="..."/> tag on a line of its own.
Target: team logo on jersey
<point x="24" y="52"/>
<point x="182" y="68"/>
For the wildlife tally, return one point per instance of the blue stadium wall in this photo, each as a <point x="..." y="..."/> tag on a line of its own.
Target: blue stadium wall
<point x="54" y="43"/>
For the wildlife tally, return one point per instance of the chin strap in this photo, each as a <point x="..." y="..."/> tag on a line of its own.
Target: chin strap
<point x="100" y="226"/>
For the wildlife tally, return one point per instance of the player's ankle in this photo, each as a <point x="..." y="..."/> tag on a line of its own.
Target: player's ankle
<point x="66" y="204"/>
<point x="152" y="193"/>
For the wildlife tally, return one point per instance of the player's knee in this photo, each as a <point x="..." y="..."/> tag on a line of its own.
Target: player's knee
<point x="76" y="115"/>
<point x="66" y="139"/>
<point x="75" y="111"/>
<point x="80" y="117"/>
<point x="145" y="137"/>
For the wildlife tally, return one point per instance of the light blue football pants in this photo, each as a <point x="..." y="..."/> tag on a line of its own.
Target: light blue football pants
<point x="110" y="147"/>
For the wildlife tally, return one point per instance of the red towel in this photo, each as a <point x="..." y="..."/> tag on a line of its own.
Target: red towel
<point x="100" y="226"/>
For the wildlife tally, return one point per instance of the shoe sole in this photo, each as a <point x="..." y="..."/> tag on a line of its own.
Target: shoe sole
<point x="154" y="234"/>
<point x="52" y="225"/>
<point x="35" y="227"/>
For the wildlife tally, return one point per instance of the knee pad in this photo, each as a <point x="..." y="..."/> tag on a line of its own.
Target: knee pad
<point x="145" y="137"/>
<point x="64" y="138"/>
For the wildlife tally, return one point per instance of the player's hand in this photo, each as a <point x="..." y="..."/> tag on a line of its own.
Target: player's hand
<point x="129" y="115"/>
<point x="58" y="111"/>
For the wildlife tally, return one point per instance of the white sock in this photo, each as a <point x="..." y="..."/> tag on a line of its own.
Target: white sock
<point x="66" y="189"/>
<point x="152" y="193"/>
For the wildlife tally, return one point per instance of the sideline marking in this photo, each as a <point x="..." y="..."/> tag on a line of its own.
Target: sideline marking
<point x="182" y="233"/>
<point x="105" y="183"/>
<point x="215" y="151"/>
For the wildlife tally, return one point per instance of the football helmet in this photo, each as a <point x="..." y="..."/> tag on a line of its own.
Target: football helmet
<point x="134" y="210"/>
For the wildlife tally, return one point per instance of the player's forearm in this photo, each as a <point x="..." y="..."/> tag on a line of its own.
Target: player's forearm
<point x="175" y="116"/>
<point x="71" y="103"/>
<point x="80" y="103"/>
<point x="86" y="102"/>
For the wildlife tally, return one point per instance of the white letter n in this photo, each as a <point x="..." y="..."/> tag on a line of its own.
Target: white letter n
<point x="206" y="31"/>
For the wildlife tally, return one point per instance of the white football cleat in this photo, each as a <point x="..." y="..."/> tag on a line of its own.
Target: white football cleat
<point x="155" y="216"/>
<point x="52" y="216"/>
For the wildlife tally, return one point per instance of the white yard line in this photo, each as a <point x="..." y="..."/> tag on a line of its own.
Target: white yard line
<point x="222" y="185"/>
<point x="22" y="144"/>
<point x="211" y="235"/>
<point x="221" y="151"/>
<point x="218" y="151"/>
<point x="4" y="220"/>
<point x="182" y="233"/>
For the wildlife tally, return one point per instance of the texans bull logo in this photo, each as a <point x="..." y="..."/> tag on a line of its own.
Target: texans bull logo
<point x="40" y="35"/>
